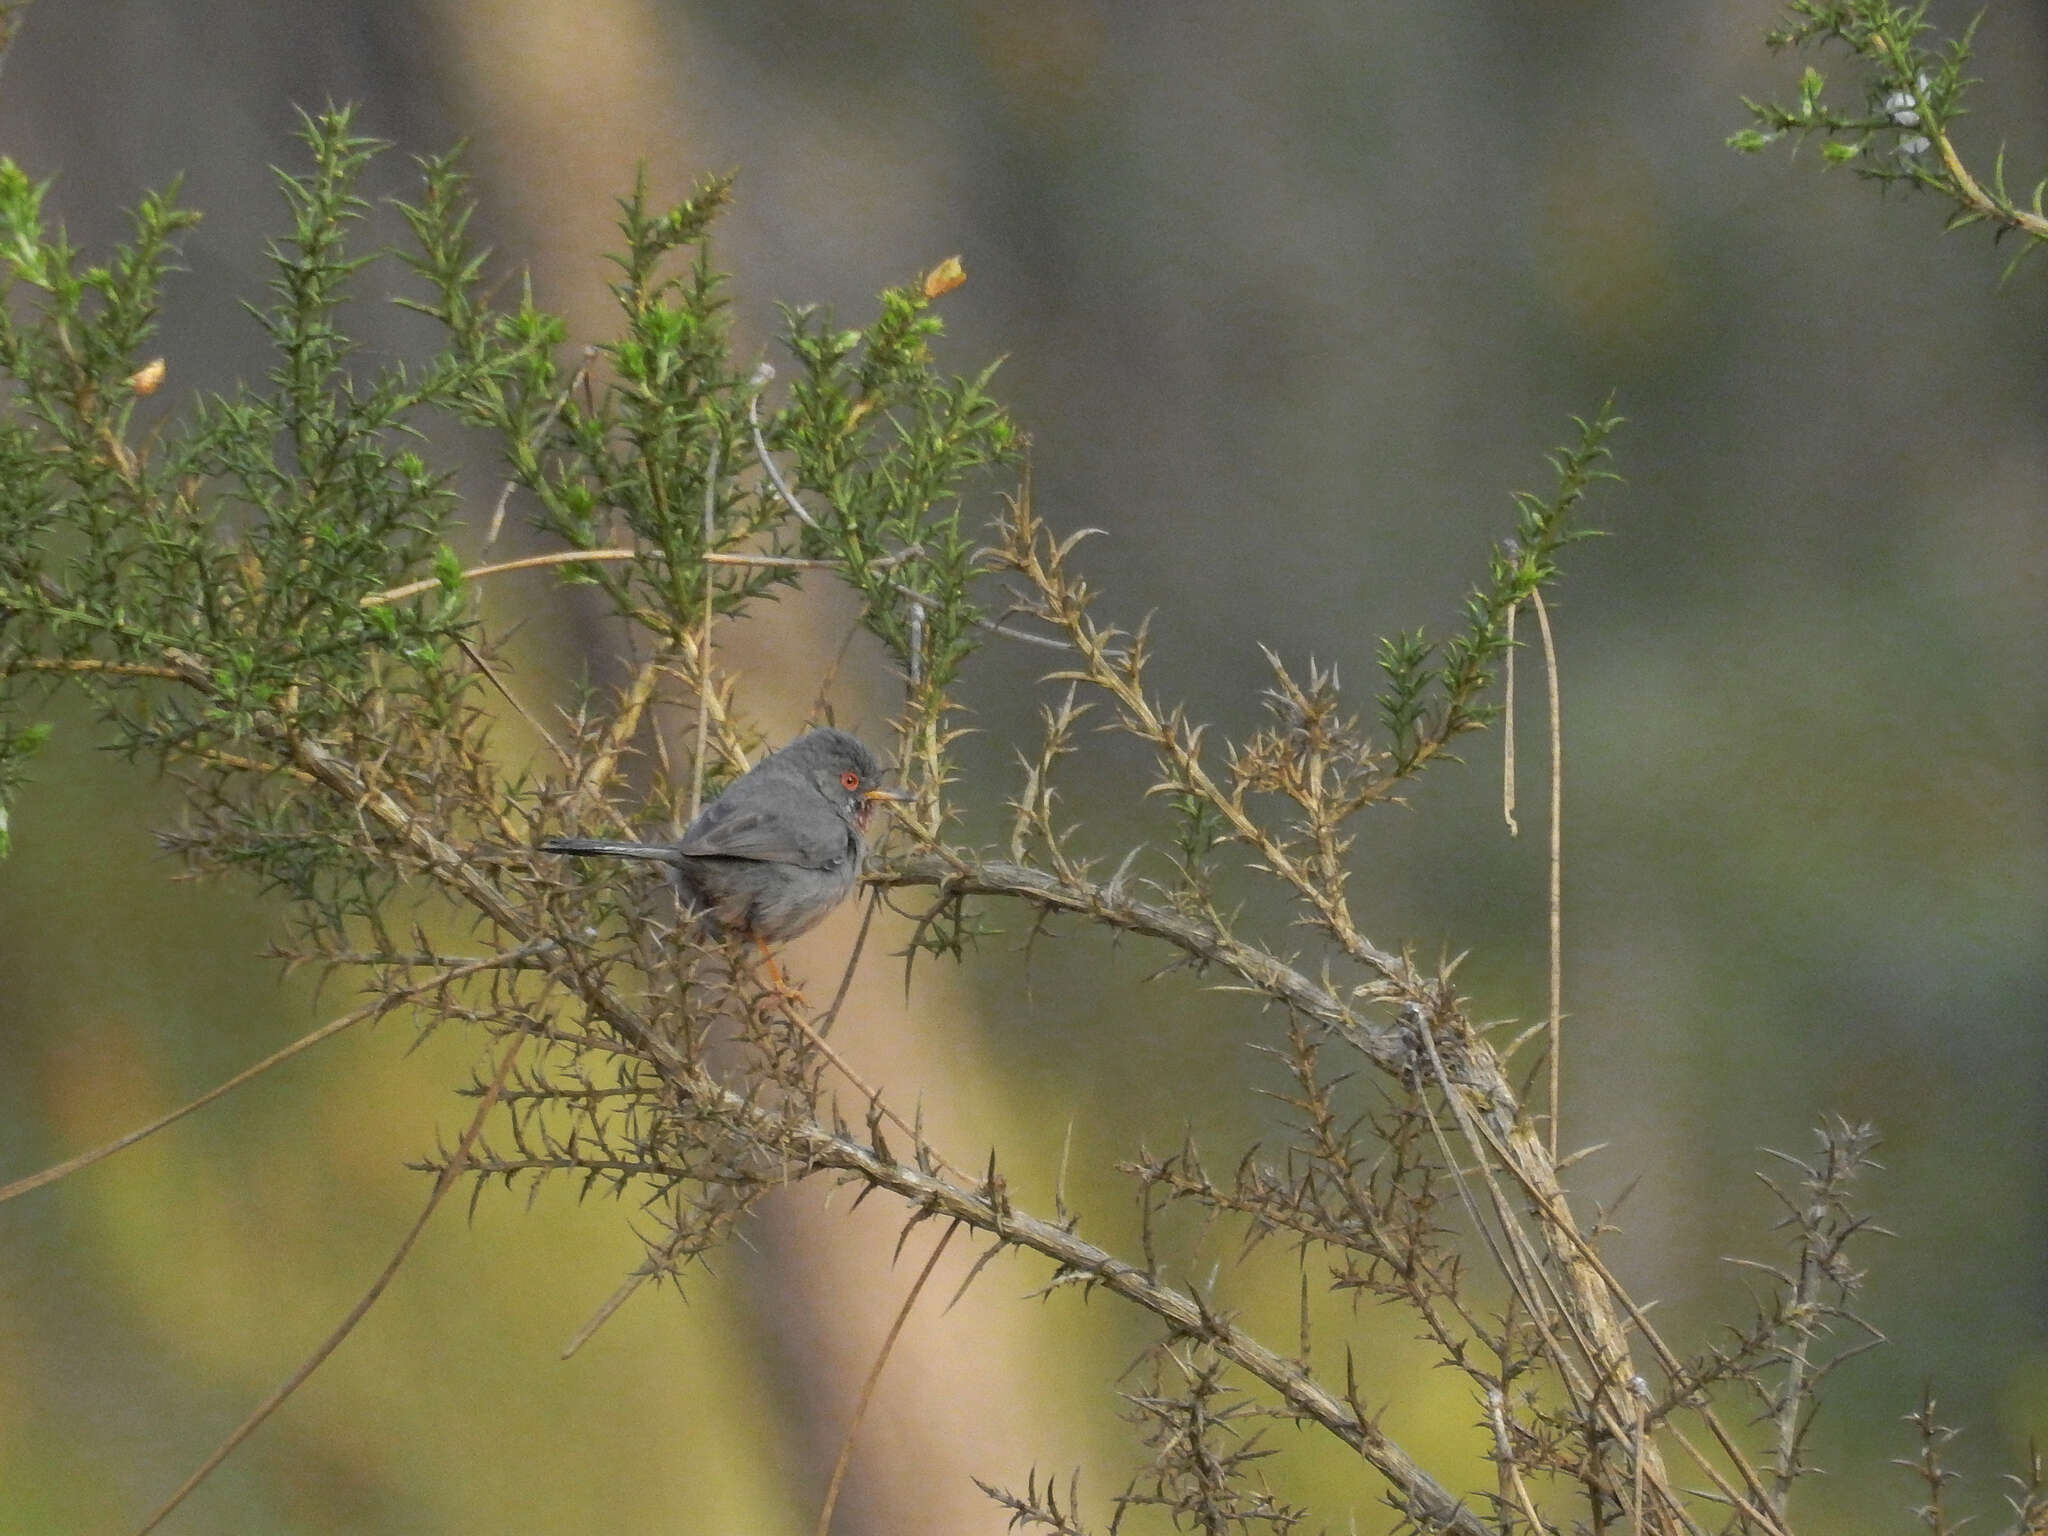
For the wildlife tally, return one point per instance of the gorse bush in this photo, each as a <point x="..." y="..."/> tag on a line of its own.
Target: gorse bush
<point x="1903" y="133"/>
<point x="265" y="597"/>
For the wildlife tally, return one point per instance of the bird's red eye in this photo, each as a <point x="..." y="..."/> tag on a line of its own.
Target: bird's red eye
<point x="850" y="779"/>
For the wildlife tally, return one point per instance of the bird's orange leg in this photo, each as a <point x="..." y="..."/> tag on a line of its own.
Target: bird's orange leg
<point x="781" y="988"/>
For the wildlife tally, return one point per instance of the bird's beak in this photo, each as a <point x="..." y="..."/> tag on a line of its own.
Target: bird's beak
<point x="894" y="796"/>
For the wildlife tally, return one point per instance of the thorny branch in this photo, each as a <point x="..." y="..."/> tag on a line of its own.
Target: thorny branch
<point x="335" y="743"/>
<point x="801" y="1145"/>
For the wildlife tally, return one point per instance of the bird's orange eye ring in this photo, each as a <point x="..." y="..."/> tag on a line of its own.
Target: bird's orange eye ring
<point x="850" y="779"/>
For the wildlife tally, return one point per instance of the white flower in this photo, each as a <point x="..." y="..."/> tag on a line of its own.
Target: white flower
<point x="1916" y="145"/>
<point x="1899" y="106"/>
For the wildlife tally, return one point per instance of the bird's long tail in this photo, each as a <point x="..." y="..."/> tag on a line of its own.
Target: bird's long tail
<point x="661" y="853"/>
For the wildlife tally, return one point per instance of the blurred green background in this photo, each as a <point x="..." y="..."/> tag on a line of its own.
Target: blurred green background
<point x="1291" y="297"/>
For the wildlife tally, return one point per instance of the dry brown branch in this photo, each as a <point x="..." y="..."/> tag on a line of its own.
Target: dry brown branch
<point x="596" y="773"/>
<point x="499" y="568"/>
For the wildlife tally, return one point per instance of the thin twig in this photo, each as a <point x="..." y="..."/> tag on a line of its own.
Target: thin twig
<point x="263" y="1410"/>
<point x="762" y="375"/>
<point x="580" y="556"/>
<point x="525" y="563"/>
<point x="867" y="1390"/>
<point x="598" y="771"/>
<point x="1260" y="971"/>
<point x="726" y="737"/>
<point x="236" y="763"/>
<point x="704" y="639"/>
<point x="788" y="499"/>
<point x="1049" y="642"/>
<point x="647" y="1269"/>
<point x="1556" y="867"/>
<point x="15" y="664"/>
<point x="594" y="556"/>
<point x="1793" y="1394"/>
<point x="860" y="942"/>
<point x="476" y="659"/>
<point x="1636" y="1462"/>
<point x="1507" y="734"/>
<point x="327" y="1031"/>
<point x="872" y="1095"/>
<point x="831" y="676"/>
<point x="554" y="413"/>
<point x="796" y="563"/>
<point x="1510" y="1467"/>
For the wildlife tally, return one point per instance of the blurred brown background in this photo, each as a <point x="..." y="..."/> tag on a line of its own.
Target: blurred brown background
<point x="1292" y="297"/>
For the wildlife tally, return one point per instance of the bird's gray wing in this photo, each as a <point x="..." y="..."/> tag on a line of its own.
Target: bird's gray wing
<point x="814" y="838"/>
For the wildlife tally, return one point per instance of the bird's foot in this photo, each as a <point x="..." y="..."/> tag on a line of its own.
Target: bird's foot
<point x="778" y="986"/>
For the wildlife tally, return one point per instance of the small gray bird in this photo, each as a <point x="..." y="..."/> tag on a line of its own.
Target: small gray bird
<point x="779" y="849"/>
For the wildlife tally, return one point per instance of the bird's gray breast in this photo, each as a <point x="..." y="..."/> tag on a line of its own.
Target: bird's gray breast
<point x="801" y="897"/>
<point x="770" y="899"/>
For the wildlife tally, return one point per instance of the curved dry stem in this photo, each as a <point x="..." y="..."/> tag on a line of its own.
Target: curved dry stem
<point x="867" y="1387"/>
<point x="263" y="1410"/>
<point x="371" y="1010"/>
